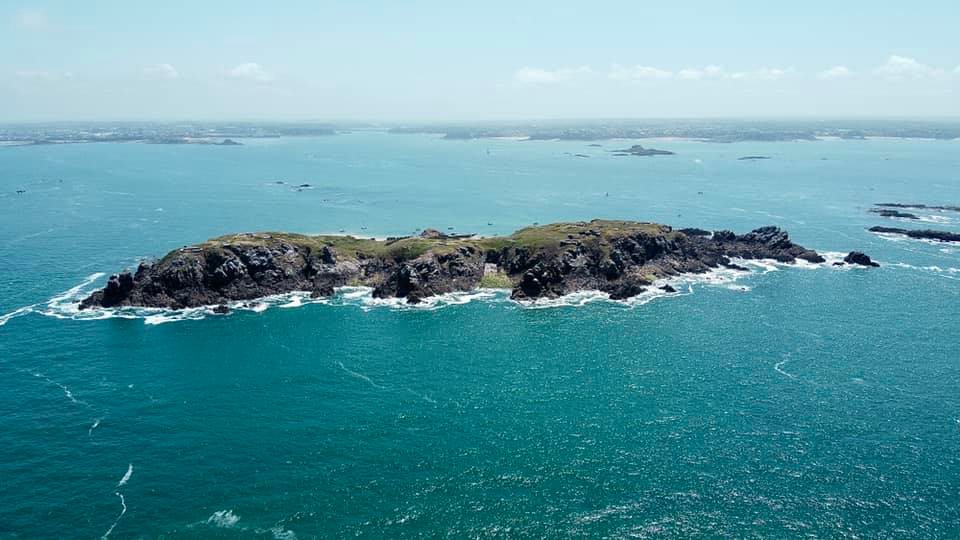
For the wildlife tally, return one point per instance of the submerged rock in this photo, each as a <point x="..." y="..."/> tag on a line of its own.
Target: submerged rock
<point x="621" y="258"/>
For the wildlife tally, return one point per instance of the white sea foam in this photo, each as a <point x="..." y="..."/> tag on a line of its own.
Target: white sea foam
<point x="16" y="313"/>
<point x="934" y="218"/>
<point x="123" y="505"/>
<point x="361" y="376"/>
<point x="576" y="299"/>
<point x="126" y="476"/>
<point x="424" y="397"/>
<point x="934" y="268"/>
<point x="778" y="367"/>
<point x="892" y="237"/>
<point x="223" y="519"/>
<point x="279" y="533"/>
<point x="66" y="391"/>
<point x="949" y="272"/>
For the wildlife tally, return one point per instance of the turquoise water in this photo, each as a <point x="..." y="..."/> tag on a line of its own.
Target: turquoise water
<point x="795" y="401"/>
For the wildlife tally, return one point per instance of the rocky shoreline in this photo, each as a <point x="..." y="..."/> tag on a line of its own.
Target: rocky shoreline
<point x="621" y="258"/>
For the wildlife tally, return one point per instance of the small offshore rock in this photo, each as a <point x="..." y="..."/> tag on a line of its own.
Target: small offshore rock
<point x="859" y="258"/>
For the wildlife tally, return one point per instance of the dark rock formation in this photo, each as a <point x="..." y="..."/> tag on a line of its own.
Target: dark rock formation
<point x="860" y="259"/>
<point x="639" y="150"/>
<point x="886" y="212"/>
<point x="621" y="258"/>
<point x="919" y="234"/>
<point x="921" y="206"/>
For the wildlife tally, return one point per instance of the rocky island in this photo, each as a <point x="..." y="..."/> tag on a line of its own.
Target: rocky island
<point x="917" y="206"/>
<point x="639" y="150"/>
<point x="621" y="258"/>
<point x="919" y="234"/>
<point x="891" y="213"/>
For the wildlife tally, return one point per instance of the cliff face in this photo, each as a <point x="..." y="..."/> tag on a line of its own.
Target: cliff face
<point x="618" y="257"/>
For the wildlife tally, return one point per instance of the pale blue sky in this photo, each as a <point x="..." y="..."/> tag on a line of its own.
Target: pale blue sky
<point x="443" y="60"/>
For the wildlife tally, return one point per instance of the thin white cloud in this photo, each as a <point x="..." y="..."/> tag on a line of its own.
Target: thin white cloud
<point x="638" y="73"/>
<point x="32" y="19"/>
<point x="716" y="73"/>
<point x="902" y="67"/>
<point x="529" y="75"/>
<point x="711" y="72"/>
<point x="771" y="74"/>
<point x="161" y="72"/>
<point x="251" y="71"/>
<point x="836" y="72"/>
<point x="35" y="75"/>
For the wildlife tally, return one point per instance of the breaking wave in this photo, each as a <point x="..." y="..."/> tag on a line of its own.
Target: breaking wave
<point x="66" y="304"/>
<point x="223" y="519"/>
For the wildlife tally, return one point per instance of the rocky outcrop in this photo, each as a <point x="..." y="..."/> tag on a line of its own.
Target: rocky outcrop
<point x="887" y="212"/>
<point x="639" y="150"/>
<point x="919" y="234"/>
<point x="860" y="259"/>
<point x="622" y="258"/>
<point x="945" y="208"/>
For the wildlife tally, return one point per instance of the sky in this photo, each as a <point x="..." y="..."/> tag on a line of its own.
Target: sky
<point x="447" y="61"/>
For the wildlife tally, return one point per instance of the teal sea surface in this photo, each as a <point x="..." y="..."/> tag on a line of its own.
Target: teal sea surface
<point x="795" y="401"/>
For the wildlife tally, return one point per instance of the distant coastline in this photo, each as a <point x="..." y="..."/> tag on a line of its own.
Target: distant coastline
<point x="715" y="131"/>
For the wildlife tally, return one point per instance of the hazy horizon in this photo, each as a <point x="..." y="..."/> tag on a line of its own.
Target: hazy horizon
<point x="431" y="62"/>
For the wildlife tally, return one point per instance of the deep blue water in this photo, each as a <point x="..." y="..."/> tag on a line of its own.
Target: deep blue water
<point x="793" y="402"/>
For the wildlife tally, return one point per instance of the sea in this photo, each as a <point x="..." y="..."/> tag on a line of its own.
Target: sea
<point x="793" y="401"/>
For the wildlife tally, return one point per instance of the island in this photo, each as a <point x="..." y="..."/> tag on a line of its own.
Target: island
<point x="891" y="213"/>
<point x="752" y="158"/>
<point x="916" y="206"/>
<point x="919" y="234"/>
<point x="621" y="258"/>
<point x="639" y="150"/>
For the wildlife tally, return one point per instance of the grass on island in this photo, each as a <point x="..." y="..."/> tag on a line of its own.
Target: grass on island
<point x="400" y="249"/>
<point x="538" y="237"/>
<point x="496" y="280"/>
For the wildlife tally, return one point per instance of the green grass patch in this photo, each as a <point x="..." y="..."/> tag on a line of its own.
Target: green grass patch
<point x="496" y="280"/>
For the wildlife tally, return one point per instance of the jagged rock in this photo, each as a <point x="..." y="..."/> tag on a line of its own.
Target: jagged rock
<point x="221" y="310"/>
<point x="724" y="236"/>
<point x="859" y="258"/>
<point x="323" y="291"/>
<point x="667" y="288"/>
<point x="117" y="289"/>
<point x="624" y="290"/>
